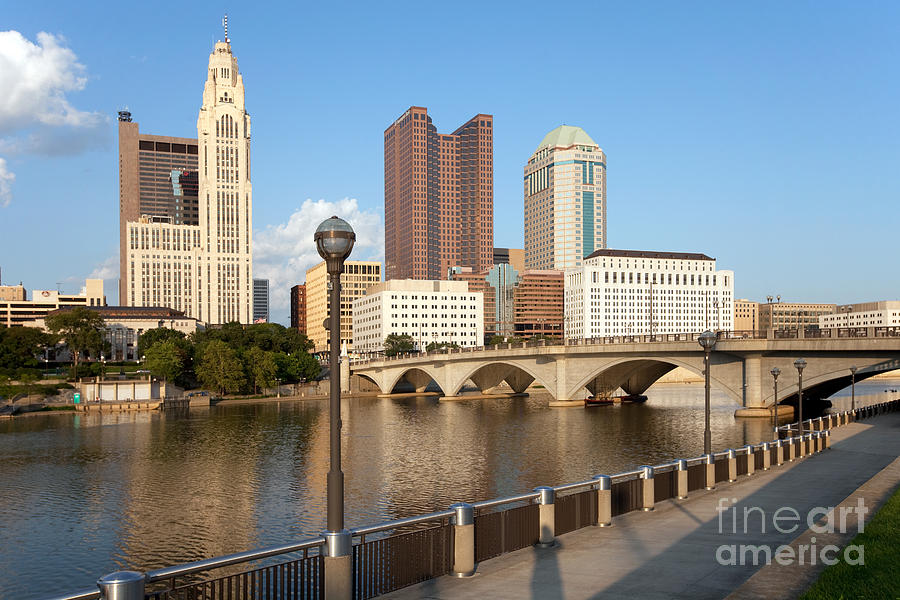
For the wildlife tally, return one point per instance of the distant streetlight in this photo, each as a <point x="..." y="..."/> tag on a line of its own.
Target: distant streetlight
<point x="800" y="364"/>
<point x="775" y="373"/>
<point x="334" y="241"/>
<point x="278" y="387"/>
<point x="707" y="340"/>
<point x="853" y="388"/>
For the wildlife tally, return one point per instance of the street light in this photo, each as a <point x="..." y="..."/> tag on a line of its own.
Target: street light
<point x="334" y="241"/>
<point x="853" y="388"/>
<point x="775" y="373"/>
<point x="707" y="340"/>
<point x="278" y="386"/>
<point x="800" y="363"/>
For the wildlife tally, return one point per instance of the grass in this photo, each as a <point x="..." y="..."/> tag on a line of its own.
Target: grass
<point x="879" y="577"/>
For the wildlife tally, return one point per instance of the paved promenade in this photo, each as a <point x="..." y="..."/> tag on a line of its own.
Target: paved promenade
<point x="672" y="551"/>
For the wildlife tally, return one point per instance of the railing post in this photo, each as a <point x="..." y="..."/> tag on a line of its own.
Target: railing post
<point x="122" y="585"/>
<point x="779" y="452"/>
<point x="751" y="460"/>
<point x="463" y="539"/>
<point x="791" y="449"/>
<point x="648" y="489"/>
<point x="547" y="516"/>
<point x="604" y="500"/>
<point x="767" y="456"/>
<point x="804" y="444"/>
<point x="732" y="465"/>
<point x="338" y="564"/>
<point x="827" y="443"/>
<point x="681" y="485"/>
<point x="710" y="471"/>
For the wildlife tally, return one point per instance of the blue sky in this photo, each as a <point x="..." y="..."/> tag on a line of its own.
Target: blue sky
<point x="764" y="134"/>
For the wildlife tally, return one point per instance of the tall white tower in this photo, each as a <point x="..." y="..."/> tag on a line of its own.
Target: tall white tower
<point x="225" y="197"/>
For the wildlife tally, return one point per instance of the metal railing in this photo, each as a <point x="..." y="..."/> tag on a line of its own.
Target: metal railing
<point x="422" y="547"/>
<point x="731" y="335"/>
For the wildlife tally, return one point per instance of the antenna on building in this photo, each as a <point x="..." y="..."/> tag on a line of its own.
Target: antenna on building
<point x="225" y="25"/>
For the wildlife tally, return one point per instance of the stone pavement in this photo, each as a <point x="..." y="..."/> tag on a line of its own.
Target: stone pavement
<point x="674" y="551"/>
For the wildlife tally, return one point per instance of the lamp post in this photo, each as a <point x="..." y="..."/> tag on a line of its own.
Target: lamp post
<point x="707" y="341"/>
<point x="278" y="387"/>
<point x="775" y="373"/>
<point x="800" y="363"/>
<point x="334" y="241"/>
<point x="853" y="388"/>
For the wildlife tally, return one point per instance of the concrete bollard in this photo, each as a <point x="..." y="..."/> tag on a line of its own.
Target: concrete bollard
<point x="732" y="465"/>
<point x="648" y="490"/>
<point x="547" y="516"/>
<point x="767" y="456"/>
<point x="820" y="425"/>
<point x="604" y="500"/>
<point x="751" y="460"/>
<point x="338" y="564"/>
<point x="681" y="483"/>
<point x="463" y="539"/>
<point x="710" y="471"/>
<point x="791" y="449"/>
<point x="779" y="452"/>
<point x="122" y="585"/>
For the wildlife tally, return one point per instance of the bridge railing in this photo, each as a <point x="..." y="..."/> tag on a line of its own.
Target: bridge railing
<point x="394" y="554"/>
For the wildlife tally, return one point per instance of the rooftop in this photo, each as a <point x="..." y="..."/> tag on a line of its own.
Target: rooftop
<point x="645" y="254"/>
<point x="566" y="136"/>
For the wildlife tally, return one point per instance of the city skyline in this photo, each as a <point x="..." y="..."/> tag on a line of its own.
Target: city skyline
<point x="716" y="123"/>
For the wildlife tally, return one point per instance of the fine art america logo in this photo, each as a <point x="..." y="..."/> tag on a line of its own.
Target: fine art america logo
<point x="786" y="520"/>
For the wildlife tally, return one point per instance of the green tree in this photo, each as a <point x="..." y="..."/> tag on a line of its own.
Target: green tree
<point x="261" y="367"/>
<point x="20" y="346"/>
<point x="440" y="346"/>
<point x="160" y="334"/>
<point x="503" y="339"/>
<point x="80" y="329"/>
<point x="395" y="344"/>
<point x="296" y="367"/>
<point x="166" y="359"/>
<point x="219" y="368"/>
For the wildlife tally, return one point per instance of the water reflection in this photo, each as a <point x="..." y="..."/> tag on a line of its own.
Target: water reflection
<point x="83" y="495"/>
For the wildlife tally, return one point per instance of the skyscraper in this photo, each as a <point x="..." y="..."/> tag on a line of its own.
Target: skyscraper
<point x="260" y="300"/>
<point x="298" y="308"/>
<point x="565" y="200"/>
<point x="204" y="269"/>
<point x="438" y="196"/>
<point x="157" y="179"/>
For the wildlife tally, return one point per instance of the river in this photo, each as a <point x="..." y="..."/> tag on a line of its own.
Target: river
<point x="84" y="495"/>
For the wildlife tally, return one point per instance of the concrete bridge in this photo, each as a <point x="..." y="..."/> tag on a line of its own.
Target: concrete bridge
<point x="740" y="366"/>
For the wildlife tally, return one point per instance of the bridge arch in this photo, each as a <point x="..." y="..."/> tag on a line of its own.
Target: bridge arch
<point x="823" y="385"/>
<point x="418" y="376"/>
<point x="491" y="374"/>
<point x="635" y="375"/>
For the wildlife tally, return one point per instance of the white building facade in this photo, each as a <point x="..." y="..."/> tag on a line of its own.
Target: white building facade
<point x="205" y="270"/>
<point x="565" y="200"/>
<point x="427" y="311"/>
<point x="630" y="292"/>
<point x="885" y="313"/>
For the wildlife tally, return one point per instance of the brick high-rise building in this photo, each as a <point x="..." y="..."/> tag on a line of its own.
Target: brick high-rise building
<point x="438" y="196"/>
<point x="157" y="179"/>
<point x="298" y="308"/>
<point x="539" y="303"/>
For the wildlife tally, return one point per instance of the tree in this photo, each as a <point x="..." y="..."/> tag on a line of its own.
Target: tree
<point x="165" y="359"/>
<point x="20" y="346"/>
<point x="261" y="367"/>
<point x="395" y="344"/>
<point x="81" y="330"/>
<point x="160" y="334"/>
<point x="219" y="368"/>
<point x="440" y="346"/>
<point x="503" y="339"/>
<point x="296" y="367"/>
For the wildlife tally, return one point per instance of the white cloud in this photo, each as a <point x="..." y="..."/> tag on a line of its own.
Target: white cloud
<point x="35" y="78"/>
<point x="35" y="114"/>
<point x="6" y="179"/>
<point x="108" y="269"/>
<point x="282" y="253"/>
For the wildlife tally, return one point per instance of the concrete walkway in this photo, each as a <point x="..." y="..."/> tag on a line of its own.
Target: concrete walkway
<point x="674" y="551"/>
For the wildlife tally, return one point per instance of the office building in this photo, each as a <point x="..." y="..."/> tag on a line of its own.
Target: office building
<point x="510" y="256"/>
<point x="427" y="311"/>
<point x="204" y="270"/>
<point x="438" y="196"/>
<point x="19" y="312"/>
<point x="260" y="300"/>
<point x="539" y="304"/>
<point x="157" y="179"/>
<point x="746" y="315"/>
<point x="885" y="313"/>
<point x="565" y="200"/>
<point x="298" y="308"/>
<point x="630" y="292"/>
<point x="477" y="282"/>
<point x="792" y="315"/>
<point x="12" y="293"/>
<point x="358" y="276"/>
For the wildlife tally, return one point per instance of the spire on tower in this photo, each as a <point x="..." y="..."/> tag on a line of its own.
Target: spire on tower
<point x="225" y="25"/>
